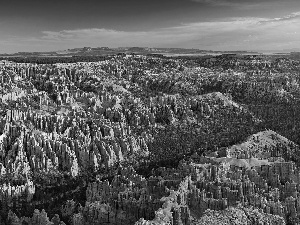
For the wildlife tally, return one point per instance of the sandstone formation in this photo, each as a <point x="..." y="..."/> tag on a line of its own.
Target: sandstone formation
<point x="150" y="140"/>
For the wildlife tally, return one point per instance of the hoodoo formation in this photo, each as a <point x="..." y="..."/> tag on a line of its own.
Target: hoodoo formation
<point x="150" y="140"/>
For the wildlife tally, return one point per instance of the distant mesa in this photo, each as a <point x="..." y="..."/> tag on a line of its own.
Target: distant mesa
<point x="128" y="50"/>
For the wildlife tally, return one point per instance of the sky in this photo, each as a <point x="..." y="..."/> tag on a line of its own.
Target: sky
<point x="44" y="25"/>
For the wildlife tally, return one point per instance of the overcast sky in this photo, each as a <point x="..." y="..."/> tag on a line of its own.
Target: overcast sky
<point x="43" y="25"/>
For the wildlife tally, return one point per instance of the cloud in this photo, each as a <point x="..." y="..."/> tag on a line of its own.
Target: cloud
<point x="219" y="2"/>
<point x="284" y="18"/>
<point x="244" y="4"/>
<point x="247" y="33"/>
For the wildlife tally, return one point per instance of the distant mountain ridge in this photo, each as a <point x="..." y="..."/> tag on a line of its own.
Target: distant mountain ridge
<point x="127" y="50"/>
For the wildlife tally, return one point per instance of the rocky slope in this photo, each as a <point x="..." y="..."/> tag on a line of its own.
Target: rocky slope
<point x="145" y="140"/>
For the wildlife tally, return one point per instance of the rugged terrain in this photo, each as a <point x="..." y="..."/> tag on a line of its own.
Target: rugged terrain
<point x="144" y="140"/>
